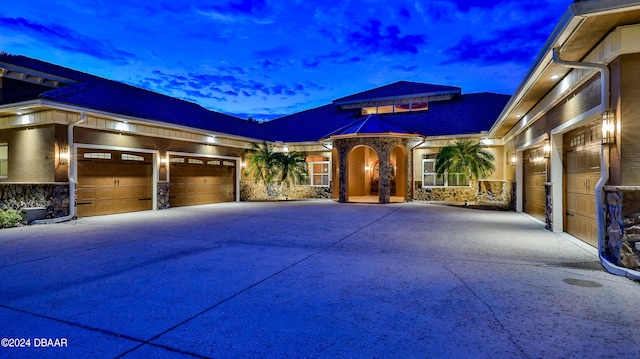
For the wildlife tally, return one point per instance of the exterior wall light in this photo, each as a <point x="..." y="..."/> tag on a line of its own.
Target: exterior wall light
<point x="163" y="161"/>
<point x="64" y="156"/>
<point x="546" y="149"/>
<point x="608" y="127"/>
<point x="514" y="159"/>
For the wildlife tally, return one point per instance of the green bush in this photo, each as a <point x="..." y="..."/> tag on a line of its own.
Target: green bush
<point x="9" y="218"/>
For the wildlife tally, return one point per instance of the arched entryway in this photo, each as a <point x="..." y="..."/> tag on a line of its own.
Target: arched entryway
<point x="378" y="169"/>
<point x="372" y="158"/>
<point x="361" y="180"/>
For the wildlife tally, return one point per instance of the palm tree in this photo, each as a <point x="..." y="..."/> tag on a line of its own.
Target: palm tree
<point x="275" y="168"/>
<point x="293" y="167"/>
<point x="465" y="157"/>
<point x="262" y="163"/>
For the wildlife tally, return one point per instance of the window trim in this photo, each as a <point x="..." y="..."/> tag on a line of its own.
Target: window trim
<point x="445" y="177"/>
<point x="311" y="173"/>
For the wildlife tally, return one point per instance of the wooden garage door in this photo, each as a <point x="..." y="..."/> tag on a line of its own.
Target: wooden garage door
<point x="113" y="182"/>
<point x="534" y="177"/>
<point x="582" y="172"/>
<point x="201" y="180"/>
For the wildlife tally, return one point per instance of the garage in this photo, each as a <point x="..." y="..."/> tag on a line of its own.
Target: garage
<point x="201" y="180"/>
<point x="534" y="178"/>
<point x="582" y="172"/>
<point x="113" y="182"/>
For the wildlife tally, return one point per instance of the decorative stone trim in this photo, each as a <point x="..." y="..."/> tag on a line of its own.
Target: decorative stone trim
<point x="163" y="195"/>
<point x="258" y="191"/>
<point x="501" y="193"/>
<point x="52" y="196"/>
<point x="548" y="210"/>
<point x="622" y="223"/>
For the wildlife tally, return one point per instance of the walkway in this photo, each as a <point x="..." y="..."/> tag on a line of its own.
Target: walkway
<point x="310" y="279"/>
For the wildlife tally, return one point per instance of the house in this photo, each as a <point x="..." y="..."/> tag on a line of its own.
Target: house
<point x="564" y="143"/>
<point x="69" y="137"/>
<point x="571" y="126"/>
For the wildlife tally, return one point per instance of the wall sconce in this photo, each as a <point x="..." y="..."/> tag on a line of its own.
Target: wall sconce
<point x="64" y="155"/>
<point x="163" y="161"/>
<point x="608" y="127"/>
<point x="514" y="159"/>
<point x="546" y="149"/>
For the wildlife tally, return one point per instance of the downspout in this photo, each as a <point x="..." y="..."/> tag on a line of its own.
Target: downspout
<point x="604" y="158"/>
<point x="413" y="167"/>
<point x="72" y="177"/>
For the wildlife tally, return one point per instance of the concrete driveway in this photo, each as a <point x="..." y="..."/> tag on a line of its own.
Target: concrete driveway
<point x="310" y="279"/>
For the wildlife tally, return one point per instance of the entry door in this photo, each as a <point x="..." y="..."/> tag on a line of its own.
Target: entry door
<point x="582" y="172"/>
<point x="113" y="182"/>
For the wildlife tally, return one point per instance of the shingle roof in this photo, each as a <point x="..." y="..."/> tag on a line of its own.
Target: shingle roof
<point x="118" y="98"/>
<point x="398" y="89"/>
<point x="464" y="114"/>
<point x="45" y="67"/>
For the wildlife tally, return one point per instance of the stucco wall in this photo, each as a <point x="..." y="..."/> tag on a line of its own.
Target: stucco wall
<point x="31" y="153"/>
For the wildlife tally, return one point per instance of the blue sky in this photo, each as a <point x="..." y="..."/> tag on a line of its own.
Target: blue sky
<point x="267" y="58"/>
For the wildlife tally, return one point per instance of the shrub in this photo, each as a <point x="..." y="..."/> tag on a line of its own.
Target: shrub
<point x="9" y="218"/>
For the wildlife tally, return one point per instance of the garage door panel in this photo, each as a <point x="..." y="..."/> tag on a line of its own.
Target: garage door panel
<point x="109" y="184"/>
<point x="201" y="181"/>
<point x="582" y="166"/>
<point x="534" y="177"/>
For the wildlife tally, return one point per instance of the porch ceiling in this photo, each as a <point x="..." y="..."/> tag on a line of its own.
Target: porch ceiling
<point x="576" y="35"/>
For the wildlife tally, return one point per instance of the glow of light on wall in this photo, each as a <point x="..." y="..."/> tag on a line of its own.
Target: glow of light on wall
<point x="122" y="126"/>
<point x="211" y="139"/>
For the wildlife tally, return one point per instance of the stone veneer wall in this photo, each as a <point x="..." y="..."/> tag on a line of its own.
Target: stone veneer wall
<point x="252" y="191"/>
<point x="622" y="223"/>
<point x="52" y="196"/>
<point x="489" y="192"/>
<point x="163" y="195"/>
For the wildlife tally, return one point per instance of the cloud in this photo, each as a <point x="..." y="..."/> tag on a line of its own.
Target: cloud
<point x="68" y="39"/>
<point x="257" y="11"/>
<point x="405" y="68"/>
<point x="517" y="41"/>
<point x="372" y="37"/>
<point x="221" y="87"/>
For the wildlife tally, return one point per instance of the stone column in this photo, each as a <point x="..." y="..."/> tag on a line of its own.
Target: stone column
<point x="343" y="153"/>
<point x="384" y="158"/>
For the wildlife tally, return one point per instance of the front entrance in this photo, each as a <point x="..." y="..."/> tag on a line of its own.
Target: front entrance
<point x="112" y="182"/>
<point x="582" y="172"/>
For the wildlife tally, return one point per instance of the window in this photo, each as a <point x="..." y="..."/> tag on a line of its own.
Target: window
<point x="128" y="157"/>
<point x="195" y="161"/>
<point x="176" y="160"/>
<point x="407" y="107"/>
<point x="319" y="174"/>
<point x="98" y="155"/>
<point x="431" y="179"/>
<point x="4" y="160"/>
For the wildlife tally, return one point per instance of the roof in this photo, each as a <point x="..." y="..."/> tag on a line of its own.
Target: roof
<point x="118" y="98"/>
<point x="462" y="115"/>
<point x="454" y="114"/>
<point x="399" y="89"/>
<point x="581" y="28"/>
<point x="27" y="63"/>
<point x="372" y="124"/>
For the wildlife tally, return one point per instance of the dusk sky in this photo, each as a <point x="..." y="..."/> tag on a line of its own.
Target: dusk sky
<point x="268" y="58"/>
